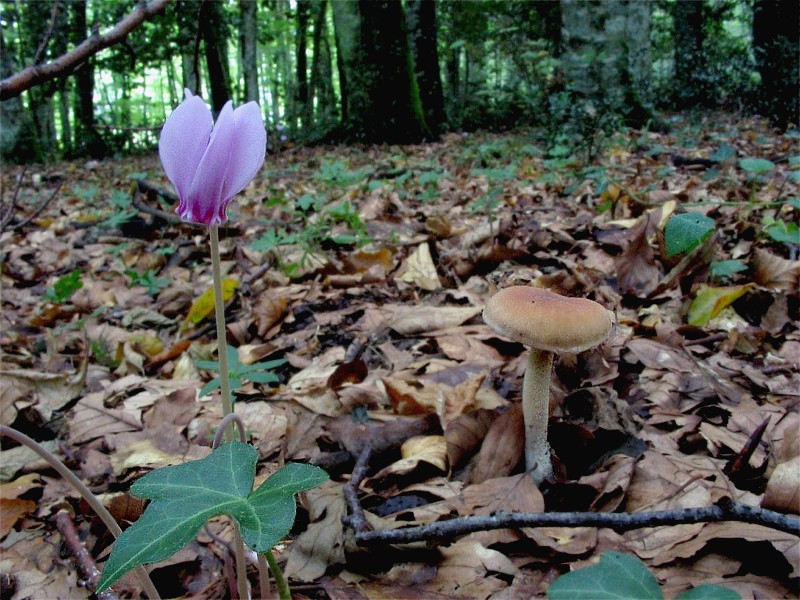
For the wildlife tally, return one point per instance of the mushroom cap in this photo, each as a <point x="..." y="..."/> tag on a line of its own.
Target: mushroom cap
<point x="547" y="321"/>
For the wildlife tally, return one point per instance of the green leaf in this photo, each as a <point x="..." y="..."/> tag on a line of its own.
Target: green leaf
<point x="781" y="231"/>
<point x="725" y="268"/>
<point x="63" y="289"/>
<point x="710" y="592"/>
<point x="723" y="153"/>
<point x="795" y="202"/>
<point x="185" y="496"/>
<point x="686" y="231"/>
<point x="756" y="166"/>
<point x="616" y="576"/>
<point x="710" y="301"/>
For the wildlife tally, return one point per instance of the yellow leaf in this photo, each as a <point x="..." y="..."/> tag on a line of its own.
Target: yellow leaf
<point x="204" y="305"/>
<point x="710" y="301"/>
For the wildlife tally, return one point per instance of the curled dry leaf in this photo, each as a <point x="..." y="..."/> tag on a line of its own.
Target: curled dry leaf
<point x="776" y="272"/>
<point x="465" y="434"/>
<point x="418" y="269"/>
<point x="783" y="487"/>
<point x="502" y="448"/>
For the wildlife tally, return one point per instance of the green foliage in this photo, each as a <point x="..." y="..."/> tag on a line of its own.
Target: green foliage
<point x="685" y="231"/>
<point x="756" y="166"/>
<point x="238" y="372"/>
<point x="724" y="269"/>
<point x="623" y="577"/>
<point x="64" y="288"/>
<point x="336" y="173"/>
<point x="148" y="280"/>
<point x="781" y="231"/>
<point x="184" y="497"/>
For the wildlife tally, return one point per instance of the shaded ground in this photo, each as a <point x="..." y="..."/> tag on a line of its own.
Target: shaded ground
<point x="366" y="269"/>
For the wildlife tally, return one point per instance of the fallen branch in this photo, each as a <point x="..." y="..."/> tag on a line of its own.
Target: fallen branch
<point x="66" y="63"/>
<point x="725" y="509"/>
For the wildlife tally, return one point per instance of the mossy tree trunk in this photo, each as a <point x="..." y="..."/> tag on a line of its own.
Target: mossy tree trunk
<point x="424" y="46"/>
<point x="380" y="96"/>
<point x="606" y="57"/>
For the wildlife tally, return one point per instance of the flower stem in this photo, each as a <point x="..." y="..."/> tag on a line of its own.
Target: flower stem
<point x="280" y="580"/>
<point x="227" y="405"/>
<point x="86" y="493"/>
<point x="222" y="347"/>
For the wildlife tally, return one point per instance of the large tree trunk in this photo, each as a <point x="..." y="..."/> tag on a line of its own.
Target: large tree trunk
<point x="321" y="82"/>
<point x="775" y="41"/>
<point x="12" y="115"/>
<point x="606" y="56"/>
<point x="248" y="36"/>
<point x="381" y="101"/>
<point x="689" y="57"/>
<point x="422" y="32"/>
<point x="212" y="27"/>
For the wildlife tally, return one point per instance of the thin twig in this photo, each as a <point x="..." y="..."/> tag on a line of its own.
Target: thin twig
<point x="37" y="211"/>
<point x="356" y="519"/>
<point x="86" y="564"/>
<point x="725" y="510"/>
<point x="85" y="492"/>
<point x="39" y="56"/>
<point x="13" y="202"/>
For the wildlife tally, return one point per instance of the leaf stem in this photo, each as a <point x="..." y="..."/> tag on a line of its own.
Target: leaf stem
<point x="86" y="493"/>
<point x="280" y="580"/>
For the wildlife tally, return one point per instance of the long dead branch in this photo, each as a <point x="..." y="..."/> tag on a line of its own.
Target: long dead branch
<point x="725" y="509"/>
<point x="66" y="63"/>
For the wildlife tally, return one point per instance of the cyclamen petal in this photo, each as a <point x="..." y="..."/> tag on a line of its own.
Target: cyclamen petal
<point x="210" y="163"/>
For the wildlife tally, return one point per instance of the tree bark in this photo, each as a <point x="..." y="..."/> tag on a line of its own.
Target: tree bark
<point x="301" y="66"/>
<point x="422" y="32"/>
<point x="775" y="42"/>
<point x="606" y="56"/>
<point x="381" y="100"/>
<point x="689" y="57"/>
<point x="248" y="29"/>
<point x="212" y="28"/>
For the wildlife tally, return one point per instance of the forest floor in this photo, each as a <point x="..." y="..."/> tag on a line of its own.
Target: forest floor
<point x="366" y="269"/>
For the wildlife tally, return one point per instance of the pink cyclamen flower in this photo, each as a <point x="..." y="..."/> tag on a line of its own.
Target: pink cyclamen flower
<point x="209" y="164"/>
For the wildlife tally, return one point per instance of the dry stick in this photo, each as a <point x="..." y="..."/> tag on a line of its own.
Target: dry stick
<point x="34" y="75"/>
<point x="37" y="211"/>
<point x="85" y="561"/>
<point x="357" y="520"/>
<point x="724" y="510"/>
<point x="13" y="202"/>
<point x="85" y="492"/>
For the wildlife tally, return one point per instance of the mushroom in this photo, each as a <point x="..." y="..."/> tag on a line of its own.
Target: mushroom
<point x="548" y="323"/>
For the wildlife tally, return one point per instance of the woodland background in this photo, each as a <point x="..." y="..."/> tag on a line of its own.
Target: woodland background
<point x="394" y="72"/>
<point x="421" y="155"/>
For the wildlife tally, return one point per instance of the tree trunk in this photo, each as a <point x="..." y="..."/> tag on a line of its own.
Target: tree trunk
<point x="775" y="42"/>
<point x="212" y="27"/>
<point x="187" y="12"/>
<point x="87" y="138"/>
<point x="15" y="132"/>
<point x="606" y="56"/>
<point x="382" y="100"/>
<point x="320" y="84"/>
<point x="422" y="32"/>
<point x="248" y="34"/>
<point x="689" y="57"/>
<point x="301" y="66"/>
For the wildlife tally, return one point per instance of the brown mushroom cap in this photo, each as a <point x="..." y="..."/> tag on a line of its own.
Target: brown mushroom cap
<point x="542" y="319"/>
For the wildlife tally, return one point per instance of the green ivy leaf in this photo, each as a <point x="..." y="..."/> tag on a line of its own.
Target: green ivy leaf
<point x="185" y="496"/>
<point x="725" y="268"/>
<point x="756" y="166"/>
<point x="616" y="576"/>
<point x="684" y="232"/>
<point x="710" y="592"/>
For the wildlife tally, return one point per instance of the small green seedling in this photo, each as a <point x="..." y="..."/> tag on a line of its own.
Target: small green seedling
<point x="148" y="280"/>
<point x="239" y="372"/>
<point x="64" y="288"/>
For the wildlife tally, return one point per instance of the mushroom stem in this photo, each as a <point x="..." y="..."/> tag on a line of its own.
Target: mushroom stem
<point x="536" y="412"/>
